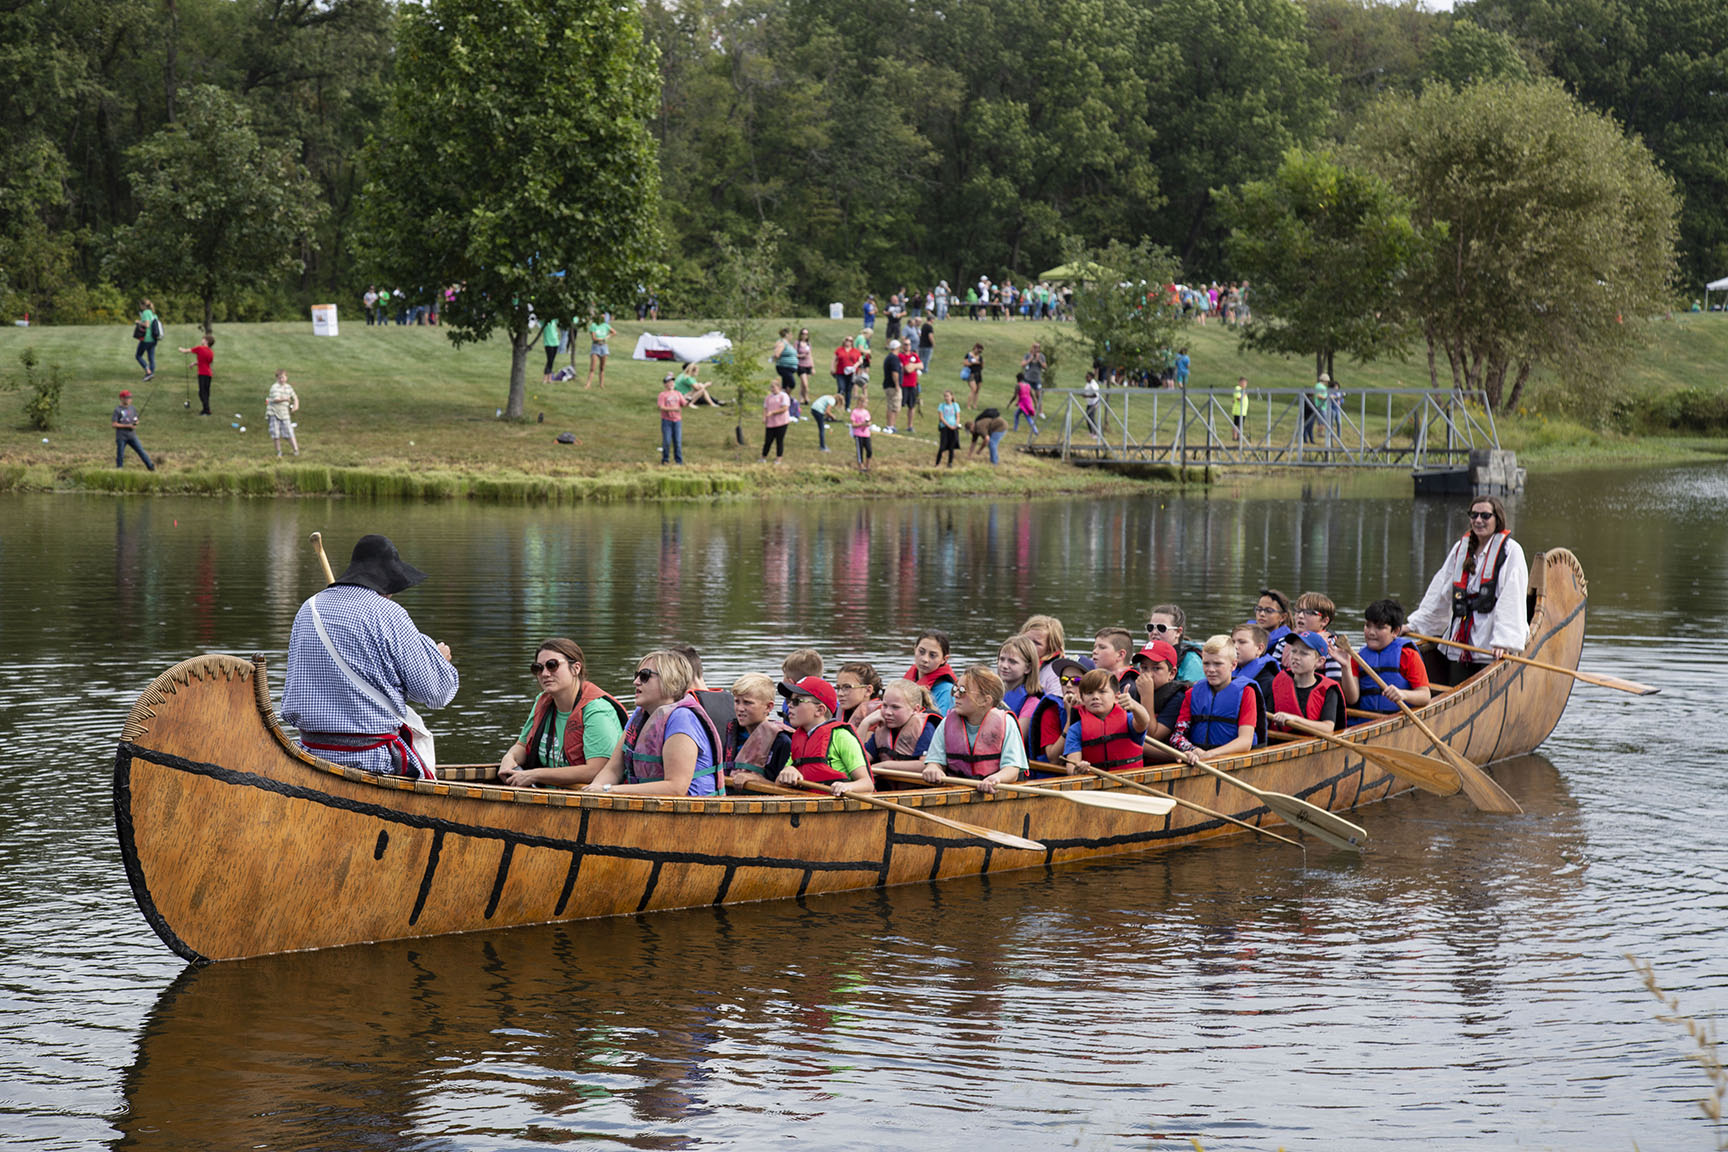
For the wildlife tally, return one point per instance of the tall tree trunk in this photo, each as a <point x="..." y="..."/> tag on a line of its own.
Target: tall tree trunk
<point x="515" y="408"/>
<point x="209" y="311"/>
<point x="170" y="82"/>
<point x="1517" y="386"/>
<point x="1433" y="370"/>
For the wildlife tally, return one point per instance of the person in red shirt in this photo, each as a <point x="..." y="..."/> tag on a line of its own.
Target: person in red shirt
<point x="911" y="367"/>
<point x="1394" y="658"/>
<point x="846" y="358"/>
<point x="203" y="354"/>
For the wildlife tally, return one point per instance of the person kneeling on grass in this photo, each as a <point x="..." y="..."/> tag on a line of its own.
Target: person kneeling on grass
<point x="1221" y="716"/>
<point x="977" y="739"/>
<point x="1302" y="700"/>
<point x="1111" y="730"/>
<point x="1394" y="658"/>
<point x="824" y="750"/>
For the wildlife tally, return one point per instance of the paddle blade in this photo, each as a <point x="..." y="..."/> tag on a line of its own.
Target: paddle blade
<point x="1316" y="822"/>
<point x="1142" y="805"/>
<point x="1005" y="839"/>
<point x="1617" y="684"/>
<point x="1424" y="772"/>
<point x="1480" y="787"/>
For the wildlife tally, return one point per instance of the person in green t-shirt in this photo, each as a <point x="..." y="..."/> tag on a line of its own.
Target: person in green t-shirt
<point x="540" y="755"/>
<point x="697" y="391"/>
<point x="599" y="333"/>
<point x="549" y="339"/>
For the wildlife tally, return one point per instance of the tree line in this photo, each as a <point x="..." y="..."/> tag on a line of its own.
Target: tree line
<point x="243" y="158"/>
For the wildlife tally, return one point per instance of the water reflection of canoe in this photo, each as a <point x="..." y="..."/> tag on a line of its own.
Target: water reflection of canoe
<point x="238" y="843"/>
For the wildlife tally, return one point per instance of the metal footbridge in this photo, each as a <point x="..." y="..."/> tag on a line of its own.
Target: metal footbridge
<point x="1416" y="429"/>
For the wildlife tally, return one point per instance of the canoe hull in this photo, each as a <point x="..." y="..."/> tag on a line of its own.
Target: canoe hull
<point x="238" y="843"/>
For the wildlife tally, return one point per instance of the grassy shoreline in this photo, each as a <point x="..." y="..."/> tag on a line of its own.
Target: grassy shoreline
<point x="399" y="413"/>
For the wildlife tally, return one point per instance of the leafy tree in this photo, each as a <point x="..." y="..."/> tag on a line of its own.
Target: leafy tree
<point x="1660" y="67"/>
<point x="219" y="210"/>
<point x="1559" y="229"/>
<point x="514" y="163"/>
<point x="749" y="284"/>
<point x="1371" y="48"/>
<point x="1123" y="315"/>
<point x="1235" y="88"/>
<point x="1325" y="246"/>
<point x="1469" y="52"/>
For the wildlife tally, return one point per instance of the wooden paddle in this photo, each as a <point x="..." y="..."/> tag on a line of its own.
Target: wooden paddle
<point x="1299" y="814"/>
<point x="318" y="547"/>
<point x="1425" y="772"/>
<point x="1600" y="681"/>
<point x="1140" y="805"/>
<point x="1005" y="839"/>
<point x="1151" y="791"/>
<point x="1478" y="785"/>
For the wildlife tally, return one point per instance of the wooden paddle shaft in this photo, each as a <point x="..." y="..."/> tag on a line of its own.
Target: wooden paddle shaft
<point x="1616" y="682"/>
<point x="1483" y="792"/>
<point x="1006" y="839"/>
<point x="1200" y="808"/>
<point x="318" y="547"/>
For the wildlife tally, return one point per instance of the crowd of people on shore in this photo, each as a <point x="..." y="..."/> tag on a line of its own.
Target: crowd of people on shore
<point x="355" y="661"/>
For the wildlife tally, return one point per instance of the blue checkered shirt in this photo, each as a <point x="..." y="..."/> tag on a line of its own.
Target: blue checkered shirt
<point x="380" y="643"/>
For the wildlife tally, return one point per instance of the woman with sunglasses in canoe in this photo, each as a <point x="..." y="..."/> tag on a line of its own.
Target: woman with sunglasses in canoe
<point x="670" y="747"/>
<point x="1478" y="596"/>
<point x="574" y="726"/>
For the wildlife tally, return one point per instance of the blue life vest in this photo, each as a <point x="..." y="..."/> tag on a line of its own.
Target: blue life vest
<point x="1386" y="663"/>
<point x="1212" y="715"/>
<point x="1251" y="670"/>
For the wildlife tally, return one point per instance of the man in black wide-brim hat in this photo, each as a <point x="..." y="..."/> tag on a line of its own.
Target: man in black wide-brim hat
<point x="355" y="660"/>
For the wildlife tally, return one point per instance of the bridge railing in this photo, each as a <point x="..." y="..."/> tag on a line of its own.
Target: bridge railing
<point x="1410" y="428"/>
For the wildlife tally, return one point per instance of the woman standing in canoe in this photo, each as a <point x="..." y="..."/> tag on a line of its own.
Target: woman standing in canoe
<point x="574" y="726"/>
<point x="1478" y="595"/>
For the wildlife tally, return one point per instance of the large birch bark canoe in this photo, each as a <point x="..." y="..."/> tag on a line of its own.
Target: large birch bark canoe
<point x="239" y="843"/>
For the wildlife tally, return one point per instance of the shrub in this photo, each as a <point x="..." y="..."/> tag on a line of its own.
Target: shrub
<point x="42" y="406"/>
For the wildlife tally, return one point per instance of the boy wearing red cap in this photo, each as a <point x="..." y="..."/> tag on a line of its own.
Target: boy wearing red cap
<point x="1157" y="663"/>
<point x="824" y="750"/>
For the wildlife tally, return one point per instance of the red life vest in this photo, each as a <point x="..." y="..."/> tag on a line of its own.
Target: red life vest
<point x="586" y="695"/>
<point x="1284" y="696"/>
<point x="932" y="678"/>
<point x="983" y="754"/>
<point x="810" y="751"/>
<point x="1106" y="742"/>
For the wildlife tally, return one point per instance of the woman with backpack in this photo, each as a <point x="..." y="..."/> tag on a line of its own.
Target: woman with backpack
<point x="148" y="332"/>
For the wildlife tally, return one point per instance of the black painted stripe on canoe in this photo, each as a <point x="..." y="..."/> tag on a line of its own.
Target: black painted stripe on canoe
<point x="426" y="878"/>
<point x="485" y="832"/>
<point x="135" y="871"/>
<point x="569" y="880"/>
<point x="503" y="875"/>
<point x="648" y="888"/>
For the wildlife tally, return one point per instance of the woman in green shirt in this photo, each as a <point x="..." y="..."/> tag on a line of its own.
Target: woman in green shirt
<point x="599" y="333"/>
<point x="571" y="732"/>
<point x="694" y="388"/>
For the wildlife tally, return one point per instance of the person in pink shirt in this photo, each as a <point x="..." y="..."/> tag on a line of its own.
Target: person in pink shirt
<point x="1025" y="404"/>
<point x="911" y="366"/>
<point x="776" y="415"/>
<point x="860" y="417"/>
<point x="671" y="404"/>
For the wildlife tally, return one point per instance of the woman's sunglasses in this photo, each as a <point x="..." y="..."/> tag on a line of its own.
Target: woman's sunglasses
<point x="643" y="675"/>
<point x="551" y="665"/>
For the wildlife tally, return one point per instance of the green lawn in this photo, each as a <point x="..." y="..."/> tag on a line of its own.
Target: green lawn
<point x="405" y="407"/>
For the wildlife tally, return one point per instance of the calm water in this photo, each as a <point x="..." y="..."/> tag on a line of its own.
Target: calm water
<point x="1464" y="983"/>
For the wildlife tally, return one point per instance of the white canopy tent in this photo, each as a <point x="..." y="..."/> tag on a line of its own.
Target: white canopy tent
<point x="1714" y="286"/>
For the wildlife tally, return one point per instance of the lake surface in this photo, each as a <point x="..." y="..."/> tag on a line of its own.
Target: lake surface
<point x="1463" y="984"/>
